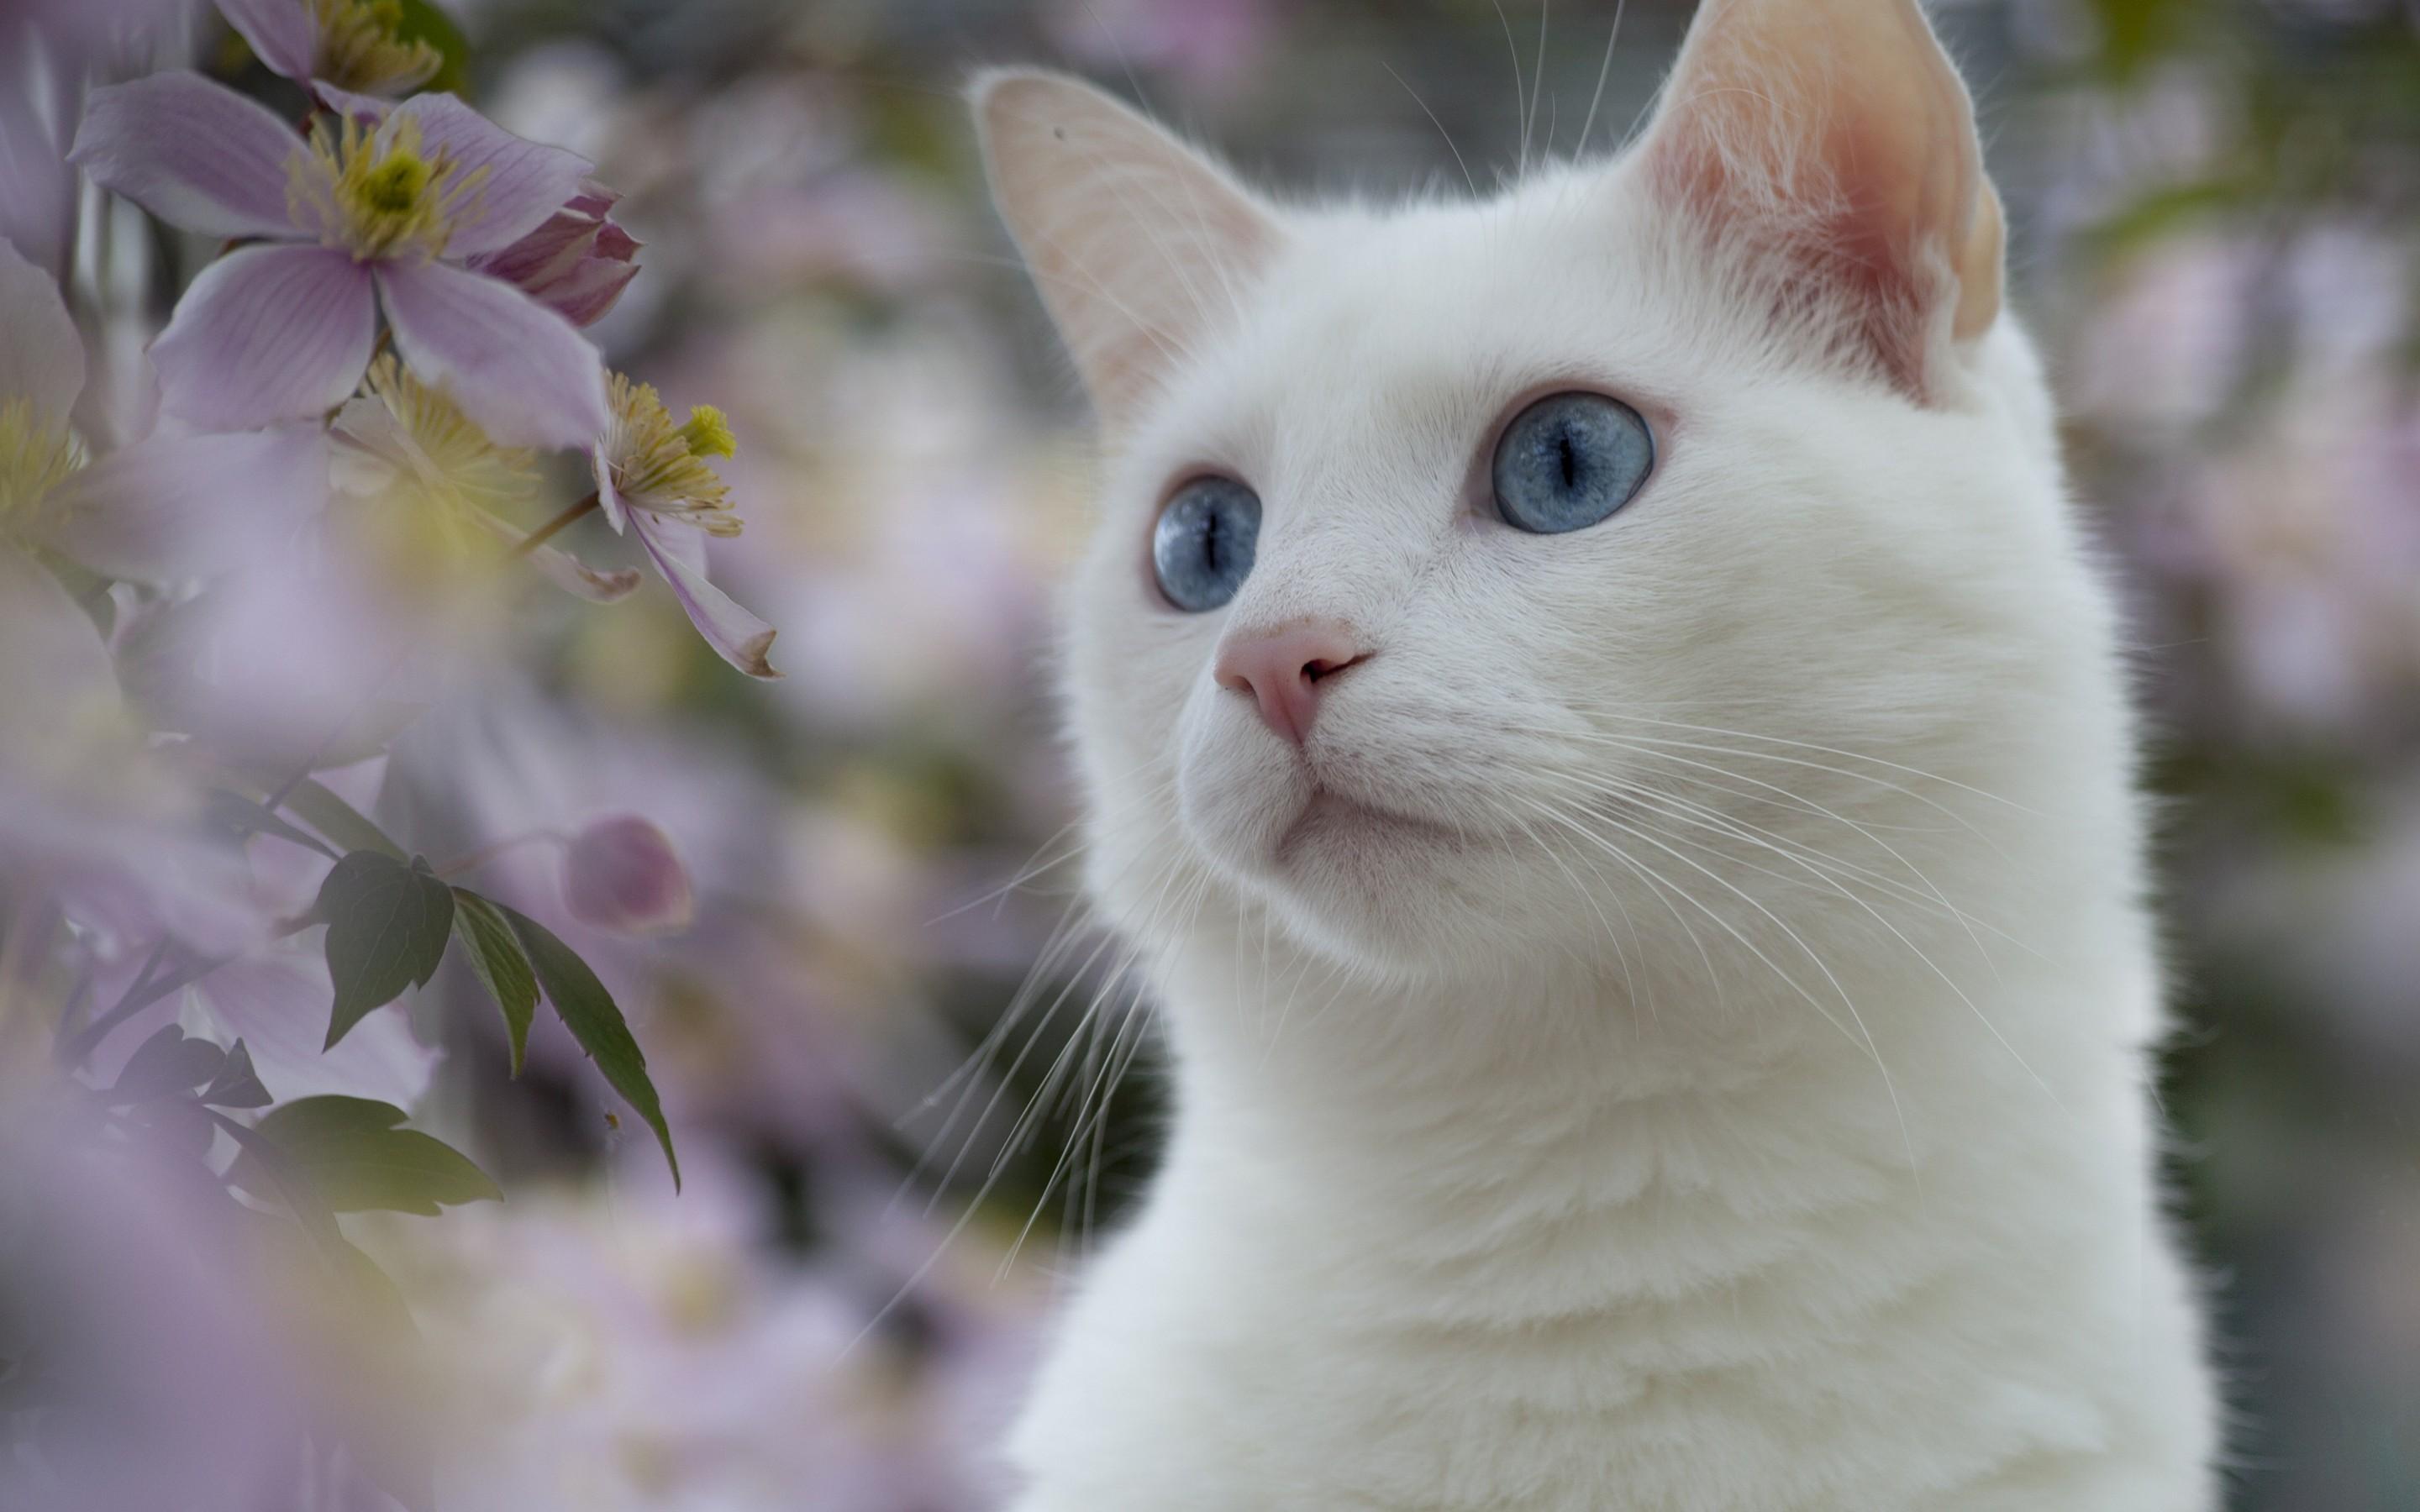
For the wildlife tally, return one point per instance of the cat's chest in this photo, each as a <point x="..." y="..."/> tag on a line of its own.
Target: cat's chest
<point x="1220" y="1359"/>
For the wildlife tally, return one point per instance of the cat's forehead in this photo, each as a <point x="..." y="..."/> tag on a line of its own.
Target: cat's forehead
<point x="1402" y="315"/>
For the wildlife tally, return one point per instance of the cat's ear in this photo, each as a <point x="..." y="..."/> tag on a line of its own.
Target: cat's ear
<point x="1839" y="135"/>
<point x="1138" y="243"/>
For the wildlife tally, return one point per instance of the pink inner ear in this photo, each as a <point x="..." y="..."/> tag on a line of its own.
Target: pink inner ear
<point x="1842" y="147"/>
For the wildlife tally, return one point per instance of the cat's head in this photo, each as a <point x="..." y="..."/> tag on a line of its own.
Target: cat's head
<point x="1517" y="577"/>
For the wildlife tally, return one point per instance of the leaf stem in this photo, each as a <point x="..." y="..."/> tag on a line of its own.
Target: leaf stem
<point x="473" y="860"/>
<point x="89" y="1039"/>
<point x="555" y="527"/>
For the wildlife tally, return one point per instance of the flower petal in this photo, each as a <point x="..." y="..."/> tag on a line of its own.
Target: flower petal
<point x="42" y="358"/>
<point x="597" y="585"/>
<point x="519" y="370"/>
<point x="679" y="551"/>
<point x="582" y="294"/>
<point x="37" y="191"/>
<point x="189" y="506"/>
<point x="609" y="498"/>
<point x="525" y="181"/>
<point x="57" y="666"/>
<point x="281" y="33"/>
<point x="278" y="1006"/>
<point x="191" y="152"/>
<point x="265" y="335"/>
<point x="577" y="262"/>
<point x="364" y="109"/>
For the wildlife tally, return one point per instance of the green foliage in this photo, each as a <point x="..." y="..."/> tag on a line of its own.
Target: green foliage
<point x="235" y="1085"/>
<point x="497" y="956"/>
<point x="2134" y="32"/>
<point x="353" y="1158"/>
<point x="424" y="23"/>
<point x="387" y="923"/>
<point x="319" y="806"/>
<point x="168" y="1063"/>
<point x="588" y="1011"/>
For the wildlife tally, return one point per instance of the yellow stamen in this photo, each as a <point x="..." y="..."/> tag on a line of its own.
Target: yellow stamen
<point x="34" y="459"/>
<point x="457" y="465"/>
<point x="708" y="433"/>
<point x="377" y="193"/>
<point x="361" y="47"/>
<point x="661" y="468"/>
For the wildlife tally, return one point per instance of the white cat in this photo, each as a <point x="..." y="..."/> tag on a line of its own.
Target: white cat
<point x="1600" y="717"/>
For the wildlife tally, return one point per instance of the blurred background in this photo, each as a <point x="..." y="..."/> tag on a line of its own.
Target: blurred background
<point x="2215" y="218"/>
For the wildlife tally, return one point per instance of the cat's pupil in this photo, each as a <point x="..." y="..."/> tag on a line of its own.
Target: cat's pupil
<point x="1569" y="458"/>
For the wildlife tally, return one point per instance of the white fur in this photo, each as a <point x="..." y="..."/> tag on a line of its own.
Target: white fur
<point x="1740" y="1101"/>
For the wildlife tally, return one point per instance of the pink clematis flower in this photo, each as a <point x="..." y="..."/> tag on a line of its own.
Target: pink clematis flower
<point x="653" y="476"/>
<point x="353" y="45"/>
<point x="354" y="219"/>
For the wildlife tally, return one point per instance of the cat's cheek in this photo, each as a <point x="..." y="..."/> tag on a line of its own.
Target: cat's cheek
<point x="1238" y="790"/>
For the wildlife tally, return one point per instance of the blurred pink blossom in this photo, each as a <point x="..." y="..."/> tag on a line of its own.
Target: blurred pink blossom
<point x="142" y="1292"/>
<point x="1211" y="43"/>
<point x="353" y="45"/>
<point x="621" y="873"/>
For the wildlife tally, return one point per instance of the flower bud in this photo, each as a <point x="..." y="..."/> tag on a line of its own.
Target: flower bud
<point x="576" y="264"/>
<point x="622" y="874"/>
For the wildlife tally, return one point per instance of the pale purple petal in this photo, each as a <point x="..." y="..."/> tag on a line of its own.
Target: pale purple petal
<point x="595" y="584"/>
<point x="576" y="263"/>
<point x="366" y="110"/>
<point x="191" y="152"/>
<point x="281" y="33"/>
<point x="609" y="498"/>
<point x="42" y="358"/>
<point x="36" y="189"/>
<point x="521" y="372"/>
<point x="279" y="1008"/>
<point x="525" y="181"/>
<point x="189" y="506"/>
<point x="546" y="252"/>
<point x="56" y="667"/>
<point x="265" y="335"/>
<point x="589" y="288"/>
<point x="679" y="551"/>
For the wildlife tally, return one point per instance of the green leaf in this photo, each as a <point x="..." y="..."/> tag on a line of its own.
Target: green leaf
<point x="587" y="1010"/>
<point x="241" y="816"/>
<point x="501" y="963"/>
<point x="167" y="1063"/>
<point x="318" y="806"/>
<point x="237" y="1085"/>
<point x="387" y="924"/>
<point x="354" y="1157"/>
<point x="422" y="22"/>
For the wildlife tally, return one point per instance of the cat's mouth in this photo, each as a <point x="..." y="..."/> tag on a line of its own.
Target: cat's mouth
<point x="1330" y="817"/>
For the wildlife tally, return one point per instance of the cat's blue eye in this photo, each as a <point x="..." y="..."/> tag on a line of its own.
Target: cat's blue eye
<point x="1202" y="549"/>
<point x="1569" y="460"/>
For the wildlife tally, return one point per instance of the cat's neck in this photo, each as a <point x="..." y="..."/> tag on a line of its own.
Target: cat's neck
<point x="1491" y="1128"/>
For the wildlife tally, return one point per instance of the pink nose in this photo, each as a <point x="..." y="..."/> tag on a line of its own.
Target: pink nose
<point x="1282" y="669"/>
